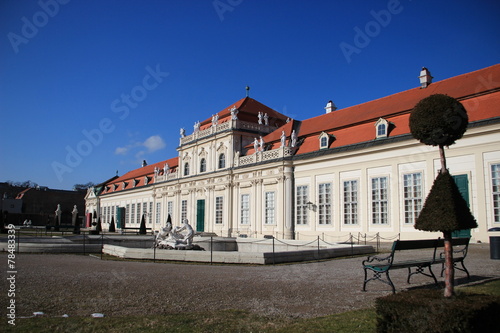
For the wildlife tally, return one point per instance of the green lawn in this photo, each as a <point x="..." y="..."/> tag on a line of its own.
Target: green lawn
<point x="224" y="321"/>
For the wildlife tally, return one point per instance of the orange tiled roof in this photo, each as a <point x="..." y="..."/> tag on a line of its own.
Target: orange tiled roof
<point x="138" y="176"/>
<point x="248" y="109"/>
<point x="355" y="124"/>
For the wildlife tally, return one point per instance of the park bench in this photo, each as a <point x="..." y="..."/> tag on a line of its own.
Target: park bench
<point x="382" y="265"/>
<point x="460" y="248"/>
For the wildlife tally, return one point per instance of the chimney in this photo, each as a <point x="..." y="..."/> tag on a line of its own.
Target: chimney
<point x="425" y="78"/>
<point x="330" y="106"/>
<point x="144" y="163"/>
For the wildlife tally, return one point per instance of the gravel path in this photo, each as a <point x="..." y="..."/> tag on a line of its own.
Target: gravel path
<point x="80" y="285"/>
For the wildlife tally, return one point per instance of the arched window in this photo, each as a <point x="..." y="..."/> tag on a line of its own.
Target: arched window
<point x="381" y="130"/>
<point x="324" y="142"/>
<point x="186" y="169"/>
<point x="203" y="165"/>
<point x="222" y="161"/>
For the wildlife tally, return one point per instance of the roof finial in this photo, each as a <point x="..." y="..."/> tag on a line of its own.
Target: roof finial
<point x="247" y="88"/>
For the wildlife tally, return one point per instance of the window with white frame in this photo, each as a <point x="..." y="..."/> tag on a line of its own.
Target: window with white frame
<point x="186" y="169"/>
<point x="351" y="202"/>
<point x="132" y="214"/>
<point x="170" y="209"/>
<point x="269" y="204"/>
<point x="184" y="209"/>
<point x="382" y="127"/>
<point x="145" y="212"/>
<point x="495" y="182"/>
<point x="139" y="212"/>
<point x="158" y="212"/>
<point x="412" y="193"/>
<point x="302" y="197"/>
<point x="245" y="209"/>
<point x="127" y="214"/>
<point x="150" y="211"/>
<point x="380" y="200"/>
<point x="218" y="209"/>
<point x="325" y="203"/>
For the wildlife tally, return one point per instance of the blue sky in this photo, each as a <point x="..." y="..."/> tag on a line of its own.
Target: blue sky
<point x="91" y="87"/>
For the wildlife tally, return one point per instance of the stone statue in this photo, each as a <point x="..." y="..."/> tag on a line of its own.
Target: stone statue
<point x="260" y="118"/>
<point x="283" y="138"/>
<point x="74" y="214"/>
<point x="294" y="139"/>
<point x="196" y="126"/>
<point x="58" y="213"/>
<point x="183" y="132"/>
<point x="255" y="145"/>
<point x="261" y="144"/>
<point x="166" y="168"/>
<point x="266" y="120"/>
<point x="173" y="238"/>
<point x="234" y="113"/>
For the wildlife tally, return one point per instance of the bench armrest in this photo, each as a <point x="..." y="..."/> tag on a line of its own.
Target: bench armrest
<point x="377" y="258"/>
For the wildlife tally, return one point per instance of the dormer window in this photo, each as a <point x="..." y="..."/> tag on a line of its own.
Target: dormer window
<point x="325" y="140"/>
<point x="136" y="181"/>
<point x="115" y="186"/>
<point x="146" y="180"/>
<point x="382" y="128"/>
<point x="124" y="184"/>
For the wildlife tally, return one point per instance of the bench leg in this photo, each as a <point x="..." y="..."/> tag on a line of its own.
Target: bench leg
<point x="463" y="269"/>
<point x="378" y="276"/>
<point x="421" y="270"/>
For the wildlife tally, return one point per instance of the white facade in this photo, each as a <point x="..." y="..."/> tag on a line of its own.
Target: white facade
<point x="322" y="186"/>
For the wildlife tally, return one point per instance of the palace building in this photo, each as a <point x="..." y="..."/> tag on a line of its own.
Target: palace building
<point x="250" y="171"/>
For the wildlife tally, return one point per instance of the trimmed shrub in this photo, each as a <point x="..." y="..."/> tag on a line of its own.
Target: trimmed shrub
<point x="425" y="310"/>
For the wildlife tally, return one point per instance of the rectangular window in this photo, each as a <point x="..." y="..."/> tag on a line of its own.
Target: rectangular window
<point x="325" y="203"/>
<point x="139" y="217"/>
<point x="145" y="212"/>
<point x="127" y="214"/>
<point x="218" y="210"/>
<point x="184" y="205"/>
<point x="150" y="213"/>
<point x="245" y="209"/>
<point x="269" y="219"/>
<point x="170" y="209"/>
<point x="380" y="201"/>
<point x="132" y="214"/>
<point x="302" y="200"/>
<point x="351" y="202"/>
<point x="495" y="182"/>
<point x="412" y="192"/>
<point x="158" y="213"/>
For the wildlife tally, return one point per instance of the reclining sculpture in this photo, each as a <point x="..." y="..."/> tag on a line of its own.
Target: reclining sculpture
<point x="173" y="238"/>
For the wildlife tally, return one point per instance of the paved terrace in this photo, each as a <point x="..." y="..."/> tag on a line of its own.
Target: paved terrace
<point x="79" y="285"/>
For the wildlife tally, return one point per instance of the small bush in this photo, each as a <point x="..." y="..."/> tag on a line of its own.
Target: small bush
<point x="429" y="311"/>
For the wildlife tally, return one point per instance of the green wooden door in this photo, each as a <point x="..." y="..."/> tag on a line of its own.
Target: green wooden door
<point x="463" y="186"/>
<point x="120" y="217"/>
<point x="200" y="215"/>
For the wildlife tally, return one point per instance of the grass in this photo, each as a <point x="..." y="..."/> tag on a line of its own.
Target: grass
<point x="224" y="321"/>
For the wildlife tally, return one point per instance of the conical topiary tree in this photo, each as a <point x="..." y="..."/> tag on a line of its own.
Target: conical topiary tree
<point x="112" y="227"/>
<point x="98" y="227"/>
<point x="142" y="227"/>
<point x="440" y="120"/>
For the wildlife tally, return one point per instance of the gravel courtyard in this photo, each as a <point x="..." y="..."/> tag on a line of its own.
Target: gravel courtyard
<point x="81" y="285"/>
